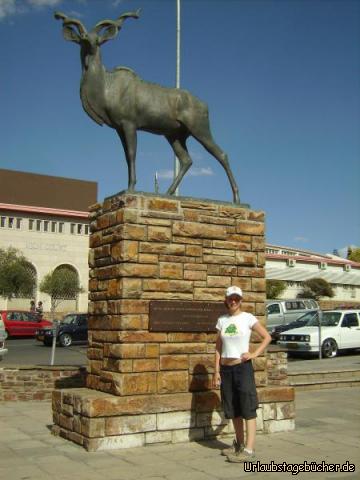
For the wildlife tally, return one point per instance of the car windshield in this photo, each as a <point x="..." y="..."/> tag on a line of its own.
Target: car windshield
<point x="69" y="319"/>
<point x="329" y="319"/>
<point x="306" y="318"/>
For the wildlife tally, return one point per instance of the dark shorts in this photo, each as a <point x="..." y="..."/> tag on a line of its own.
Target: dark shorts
<point x="238" y="391"/>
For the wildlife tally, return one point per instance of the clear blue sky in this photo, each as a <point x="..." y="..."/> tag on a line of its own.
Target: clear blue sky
<point x="281" y="78"/>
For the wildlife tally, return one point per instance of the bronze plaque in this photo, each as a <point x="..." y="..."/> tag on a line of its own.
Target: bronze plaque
<point x="176" y="316"/>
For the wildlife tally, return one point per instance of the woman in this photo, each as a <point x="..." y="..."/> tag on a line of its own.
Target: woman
<point x="235" y="373"/>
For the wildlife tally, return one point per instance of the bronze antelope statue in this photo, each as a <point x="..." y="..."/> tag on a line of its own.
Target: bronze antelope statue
<point x="125" y="102"/>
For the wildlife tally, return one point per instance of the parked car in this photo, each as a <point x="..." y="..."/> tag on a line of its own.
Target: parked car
<point x="340" y="330"/>
<point x="72" y="328"/>
<point x="299" y="322"/>
<point x="279" y="312"/>
<point x="3" y="350"/>
<point x="20" y="323"/>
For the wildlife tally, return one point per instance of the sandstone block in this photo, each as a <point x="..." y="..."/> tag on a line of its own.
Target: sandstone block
<point x="125" y="251"/>
<point x="182" y="348"/>
<point x="193" y="250"/>
<point x="276" y="394"/>
<point x="186" y="337"/>
<point x="192" y="229"/>
<point x="124" y="351"/>
<point x="210" y="418"/>
<point x="246" y="258"/>
<point x="130" y="424"/>
<point x="170" y="382"/>
<point x="175" y="420"/>
<point x="285" y="410"/>
<point x="141" y="270"/>
<point x="194" y="275"/>
<point x="258" y="284"/>
<point x="250" y="228"/>
<point x="148" y="258"/>
<point x="201" y="364"/>
<point x="269" y="411"/>
<point x="218" y="281"/>
<point x="114" y="442"/>
<point x="164" y="248"/>
<point x="146" y="365"/>
<point x="92" y="427"/>
<point x="207" y="401"/>
<point x="116" y="365"/>
<point x="152" y="350"/>
<point x="165" y="285"/>
<point x="171" y="270"/>
<point x="159" y="234"/>
<point x="174" y="362"/>
<point x="162" y="205"/>
<point x="211" y="294"/>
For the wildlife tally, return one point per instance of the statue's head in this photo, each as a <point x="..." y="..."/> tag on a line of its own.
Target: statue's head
<point x="74" y="31"/>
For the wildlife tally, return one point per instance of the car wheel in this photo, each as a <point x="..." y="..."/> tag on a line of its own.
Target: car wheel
<point x="65" y="340"/>
<point x="329" y="348"/>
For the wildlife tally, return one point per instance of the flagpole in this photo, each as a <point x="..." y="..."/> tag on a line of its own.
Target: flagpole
<point x="176" y="160"/>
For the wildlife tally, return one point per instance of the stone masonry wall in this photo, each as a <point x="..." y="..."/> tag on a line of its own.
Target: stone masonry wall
<point x="37" y="383"/>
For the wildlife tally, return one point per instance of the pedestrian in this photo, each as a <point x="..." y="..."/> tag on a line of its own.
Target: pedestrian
<point x="39" y="309"/>
<point x="235" y="374"/>
<point x="32" y="306"/>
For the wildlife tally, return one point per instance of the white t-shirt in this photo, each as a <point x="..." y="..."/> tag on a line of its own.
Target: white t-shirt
<point x="235" y="333"/>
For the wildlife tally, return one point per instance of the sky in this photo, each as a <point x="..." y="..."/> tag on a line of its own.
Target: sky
<point x="281" y="79"/>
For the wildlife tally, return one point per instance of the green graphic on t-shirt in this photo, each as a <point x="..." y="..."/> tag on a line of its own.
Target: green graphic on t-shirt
<point x="231" y="329"/>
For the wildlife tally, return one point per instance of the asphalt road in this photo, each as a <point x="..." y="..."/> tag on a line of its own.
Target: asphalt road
<point x="29" y="351"/>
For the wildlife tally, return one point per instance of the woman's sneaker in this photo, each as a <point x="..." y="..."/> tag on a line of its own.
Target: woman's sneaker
<point x="235" y="448"/>
<point x="241" y="457"/>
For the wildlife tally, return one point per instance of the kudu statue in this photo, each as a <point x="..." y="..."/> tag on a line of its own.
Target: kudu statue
<point x="125" y="102"/>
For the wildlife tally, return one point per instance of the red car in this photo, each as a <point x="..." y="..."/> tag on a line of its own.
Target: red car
<point x="20" y="323"/>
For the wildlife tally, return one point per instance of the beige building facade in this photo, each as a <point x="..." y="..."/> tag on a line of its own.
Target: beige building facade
<point x="46" y="219"/>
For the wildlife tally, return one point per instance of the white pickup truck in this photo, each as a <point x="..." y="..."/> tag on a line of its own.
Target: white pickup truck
<point x="279" y="312"/>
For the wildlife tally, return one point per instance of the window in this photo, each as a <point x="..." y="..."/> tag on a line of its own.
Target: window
<point x="273" y="308"/>
<point x="11" y="222"/>
<point x="46" y="225"/>
<point x="38" y="225"/>
<point x="86" y="229"/>
<point x="53" y="227"/>
<point x="18" y="223"/>
<point x="61" y="227"/>
<point x="350" y="320"/>
<point x="31" y="224"/>
<point x="79" y="228"/>
<point x="2" y="222"/>
<point x="294" y="305"/>
<point x="72" y="228"/>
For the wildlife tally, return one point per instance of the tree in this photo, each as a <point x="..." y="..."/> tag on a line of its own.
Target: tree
<point x="61" y="284"/>
<point x="316" y="288"/>
<point x="16" y="275"/>
<point x="274" y="288"/>
<point x="354" y="254"/>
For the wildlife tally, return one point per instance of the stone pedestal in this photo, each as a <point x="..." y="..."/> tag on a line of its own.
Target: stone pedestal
<point x="148" y="387"/>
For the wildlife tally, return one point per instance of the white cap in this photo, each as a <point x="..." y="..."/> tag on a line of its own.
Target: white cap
<point x="233" y="291"/>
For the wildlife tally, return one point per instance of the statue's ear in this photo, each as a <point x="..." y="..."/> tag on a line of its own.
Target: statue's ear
<point x="106" y="31"/>
<point x="70" y="34"/>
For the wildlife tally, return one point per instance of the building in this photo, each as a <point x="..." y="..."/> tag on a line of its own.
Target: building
<point x="46" y="218"/>
<point x="295" y="266"/>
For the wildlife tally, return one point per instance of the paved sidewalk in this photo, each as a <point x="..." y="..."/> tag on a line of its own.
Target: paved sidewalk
<point x="328" y="429"/>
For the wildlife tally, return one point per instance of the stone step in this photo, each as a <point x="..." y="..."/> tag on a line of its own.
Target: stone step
<point x="325" y="379"/>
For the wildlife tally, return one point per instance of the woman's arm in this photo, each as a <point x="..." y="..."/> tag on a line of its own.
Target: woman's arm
<point x="216" y="376"/>
<point x="266" y="339"/>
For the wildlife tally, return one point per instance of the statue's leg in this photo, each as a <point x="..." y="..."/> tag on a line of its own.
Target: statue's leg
<point x="203" y="135"/>
<point x="128" y="137"/>
<point x="178" y="144"/>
